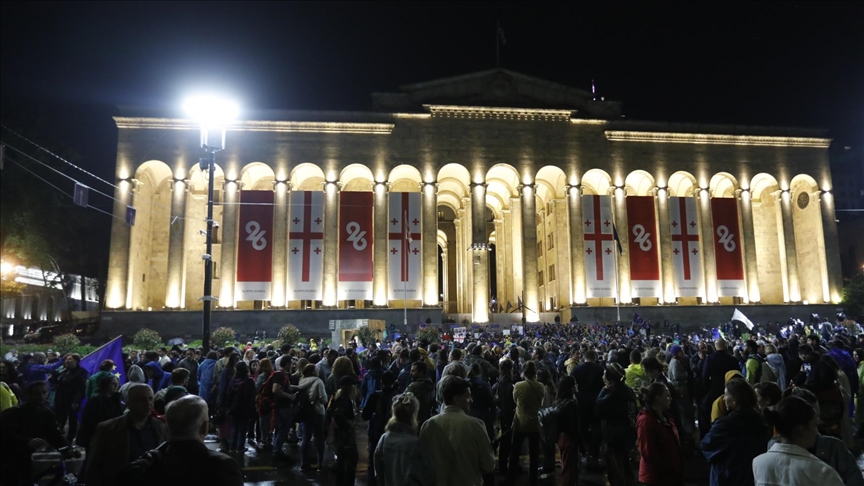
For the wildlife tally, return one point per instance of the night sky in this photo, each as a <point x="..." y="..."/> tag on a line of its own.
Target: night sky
<point x="772" y="63"/>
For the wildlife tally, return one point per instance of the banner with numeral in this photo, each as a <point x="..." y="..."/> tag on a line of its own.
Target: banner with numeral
<point x="644" y="257"/>
<point x="355" y="246"/>
<point x="255" y="246"/>
<point x="727" y="247"/>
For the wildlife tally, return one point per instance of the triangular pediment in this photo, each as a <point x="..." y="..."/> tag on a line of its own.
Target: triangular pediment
<point x="495" y="88"/>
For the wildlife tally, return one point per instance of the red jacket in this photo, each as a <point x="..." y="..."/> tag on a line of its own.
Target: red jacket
<point x="662" y="462"/>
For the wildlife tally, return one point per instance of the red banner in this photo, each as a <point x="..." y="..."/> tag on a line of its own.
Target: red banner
<point x="642" y="236"/>
<point x="355" y="246"/>
<point x="255" y="246"/>
<point x="727" y="247"/>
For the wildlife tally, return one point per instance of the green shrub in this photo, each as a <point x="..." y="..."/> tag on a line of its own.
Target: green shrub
<point x="365" y="336"/>
<point x="146" y="340"/>
<point x="428" y="334"/>
<point x="66" y="343"/>
<point x="223" y="336"/>
<point x="290" y="334"/>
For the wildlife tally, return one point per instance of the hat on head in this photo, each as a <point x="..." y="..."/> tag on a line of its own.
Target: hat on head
<point x="675" y="349"/>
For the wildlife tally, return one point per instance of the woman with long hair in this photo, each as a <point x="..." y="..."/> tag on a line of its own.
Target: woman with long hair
<point x="661" y="461"/>
<point x="788" y="462"/>
<point x="736" y="438"/>
<point x="265" y="420"/>
<point x="399" y="457"/>
<point x="341" y="367"/>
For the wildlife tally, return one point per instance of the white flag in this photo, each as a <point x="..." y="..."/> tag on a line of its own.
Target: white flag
<point x="739" y="316"/>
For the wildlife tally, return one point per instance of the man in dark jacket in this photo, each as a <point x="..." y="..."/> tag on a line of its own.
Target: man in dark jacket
<point x="377" y="411"/>
<point x="589" y="381"/>
<point x="185" y="459"/>
<point x="424" y="390"/>
<point x="714" y="370"/>
<point x="71" y="384"/>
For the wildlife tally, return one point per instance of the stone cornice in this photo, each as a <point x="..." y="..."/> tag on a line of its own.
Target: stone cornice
<point x="488" y="113"/>
<point x="259" y="126"/>
<point x="716" y="139"/>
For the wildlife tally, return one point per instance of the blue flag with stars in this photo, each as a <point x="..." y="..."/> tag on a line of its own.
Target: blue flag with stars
<point x="113" y="350"/>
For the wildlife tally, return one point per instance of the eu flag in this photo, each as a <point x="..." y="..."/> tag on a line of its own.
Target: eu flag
<point x="113" y="350"/>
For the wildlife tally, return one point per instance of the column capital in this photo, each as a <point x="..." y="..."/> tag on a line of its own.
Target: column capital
<point x="613" y="190"/>
<point x="472" y="185"/>
<point x="336" y="184"/>
<point x="739" y="193"/>
<point x="177" y="180"/>
<point x="659" y="191"/>
<point x="521" y="187"/>
<point x="385" y="184"/>
<point x="425" y="184"/>
<point x="289" y="186"/>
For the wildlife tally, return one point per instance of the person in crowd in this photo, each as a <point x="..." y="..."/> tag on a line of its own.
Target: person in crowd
<point x="283" y="398"/>
<point x="265" y="419"/>
<point x="377" y="413"/>
<point x="177" y="389"/>
<point x="718" y="409"/>
<point x="736" y="438"/>
<point x="423" y="390"/>
<point x="190" y="363"/>
<point x="654" y="370"/>
<point x="503" y="392"/>
<point x="830" y="450"/>
<point x="568" y="430"/>
<point x="341" y="413"/>
<point x="12" y="377"/>
<point x="616" y="408"/>
<point x="483" y="402"/>
<point x="858" y="354"/>
<point x="240" y="406"/>
<point x="822" y="381"/>
<point x="661" y="459"/>
<point x="634" y="375"/>
<point x="134" y="375"/>
<point x="753" y="362"/>
<point x="104" y="406"/>
<point x="399" y="456"/>
<point x="528" y="395"/>
<point x="24" y="429"/>
<point x="325" y="366"/>
<point x="248" y="356"/>
<point x="777" y="363"/>
<point x="185" y="459"/>
<point x="206" y="378"/>
<point x="371" y="380"/>
<point x="768" y="394"/>
<point x="120" y="440"/>
<point x="8" y="398"/>
<point x="69" y="394"/>
<point x="457" y="442"/>
<point x="589" y="383"/>
<point x="38" y="369"/>
<point x="106" y="368"/>
<point x="714" y="370"/>
<point x="788" y="462"/>
<point x="153" y="370"/>
<point x="342" y="366"/>
<point x="225" y="421"/>
<point x="313" y="426"/>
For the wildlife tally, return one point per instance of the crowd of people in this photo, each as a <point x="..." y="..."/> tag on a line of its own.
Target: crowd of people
<point x="779" y="407"/>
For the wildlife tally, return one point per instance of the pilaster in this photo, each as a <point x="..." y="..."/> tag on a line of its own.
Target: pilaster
<point x="429" y="241"/>
<point x="745" y="212"/>
<point x="331" y="242"/>
<point x="228" y="272"/>
<point x="176" y="277"/>
<point x="529" y="252"/>
<point x="577" y="246"/>
<point x="279" y="284"/>
<point x="381" y="190"/>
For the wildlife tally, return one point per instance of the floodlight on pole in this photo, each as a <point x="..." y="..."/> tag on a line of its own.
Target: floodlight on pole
<point x="213" y="114"/>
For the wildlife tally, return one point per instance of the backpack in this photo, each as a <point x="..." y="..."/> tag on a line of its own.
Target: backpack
<point x="304" y="409"/>
<point x="549" y="424"/>
<point x="264" y="396"/>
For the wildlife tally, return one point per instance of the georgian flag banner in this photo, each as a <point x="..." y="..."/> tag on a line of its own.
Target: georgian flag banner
<point x="686" y="253"/>
<point x="404" y="251"/>
<point x="727" y="247"/>
<point x="355" y="246"/>
<point x="306" y="245"/>
<point x="600" y="271"/>
<point x="642" y="238"/>
<point x="255" y="246"/>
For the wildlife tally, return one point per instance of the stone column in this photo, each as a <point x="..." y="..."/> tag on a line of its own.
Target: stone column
<point x="619" y="207"/>
<point x="706" y="224"/>
<point x="379" y="222"/>
<point x="562" y="253"/>
<point x="118" y="289"/>
<point x="279" y="285"/>
<point x="785" y="202"/>
<point x="529" y="252"/>
<point x="577" y="246"/>
<point x="500" y="268"/>
<point x="461" y="244"/>
<point x="479" y="254"/>
<point x="445" y="278"/>
<point x="745" y="211"/>
<point x="505" y="255"/>
<point x="834" y="275"/>
<point x="429" y="242"/>
<point x="175" y="288"/>
<point x="331" y="242"/>
<point x="517" y="247"/>
<point x="667" y="265"/>
<point x="228" y="272"/>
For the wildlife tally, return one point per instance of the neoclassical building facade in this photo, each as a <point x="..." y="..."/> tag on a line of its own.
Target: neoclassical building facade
<point x="475" y="194"/>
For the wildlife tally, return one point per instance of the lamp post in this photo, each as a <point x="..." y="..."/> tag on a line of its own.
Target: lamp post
<point x="213" y="114"/>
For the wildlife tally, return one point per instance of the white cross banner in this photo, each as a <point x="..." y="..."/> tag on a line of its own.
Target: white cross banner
<point x="403" y="246"/>
<point x="686" y="259"/>
<point x="600" y="250"/>
<point x="306" y="246"/>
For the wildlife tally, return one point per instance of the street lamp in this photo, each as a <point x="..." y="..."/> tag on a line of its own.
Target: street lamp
<point x="213" y="114"/>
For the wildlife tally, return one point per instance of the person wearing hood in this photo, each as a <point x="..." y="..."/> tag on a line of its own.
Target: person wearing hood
<point x="312" y="385"/>
<point x="718" y="408"/>
<point x="634" y="375"/>
<point x="134" y="375"/>
<point x="777" y="363"/>
<point x="737" y="438"/>
<point x="206" y="373"/>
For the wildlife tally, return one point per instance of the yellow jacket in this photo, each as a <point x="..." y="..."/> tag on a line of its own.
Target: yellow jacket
<point x="718" y="409"/>
<point x="7" y="397"/>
